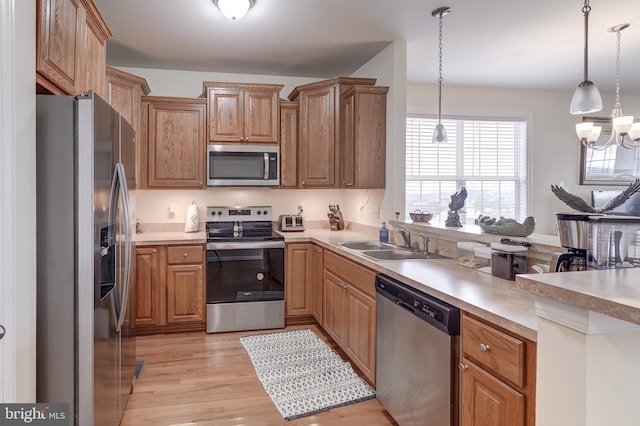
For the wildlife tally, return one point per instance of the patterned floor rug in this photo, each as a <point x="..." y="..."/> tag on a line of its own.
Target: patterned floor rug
<point x="302" y="374"/>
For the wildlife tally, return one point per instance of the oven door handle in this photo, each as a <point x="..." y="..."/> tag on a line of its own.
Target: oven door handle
<point x="232" y="245"/>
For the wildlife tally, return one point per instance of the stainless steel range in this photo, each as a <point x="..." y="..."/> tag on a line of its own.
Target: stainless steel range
<point x="245" y="270"/>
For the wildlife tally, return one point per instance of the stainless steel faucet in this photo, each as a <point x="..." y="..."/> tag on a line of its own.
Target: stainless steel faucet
<point x="425" y="242"/>
<point x="406" y="235"/>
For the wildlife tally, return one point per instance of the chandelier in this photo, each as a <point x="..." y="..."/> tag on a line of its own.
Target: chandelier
<point x="624" y="132"/>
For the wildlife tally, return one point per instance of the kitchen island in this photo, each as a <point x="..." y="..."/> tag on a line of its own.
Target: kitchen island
<point x="588" y="346"/>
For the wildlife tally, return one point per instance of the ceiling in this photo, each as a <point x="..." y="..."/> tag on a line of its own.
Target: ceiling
<point x="495" y="43"/>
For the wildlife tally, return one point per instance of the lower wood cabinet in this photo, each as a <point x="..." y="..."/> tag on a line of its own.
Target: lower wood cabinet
<point x="298" y="285"/>
<point x="170" y="288"/>
<point x="349" y="310"/>
<point x="498" y="370"/>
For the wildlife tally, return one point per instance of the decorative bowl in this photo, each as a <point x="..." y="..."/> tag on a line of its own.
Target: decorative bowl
<point x="419" y="216"/>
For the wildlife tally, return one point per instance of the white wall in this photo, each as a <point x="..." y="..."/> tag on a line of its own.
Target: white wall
<point x="554" y="154"/>
<point x="17" y="201"/>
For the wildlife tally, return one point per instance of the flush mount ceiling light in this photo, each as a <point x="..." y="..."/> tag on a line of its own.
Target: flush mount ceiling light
<point x="586" y="98"/>
<point x="440" y="134"/>
<point x="234" y="9"/>
<point x="624" y="132"/>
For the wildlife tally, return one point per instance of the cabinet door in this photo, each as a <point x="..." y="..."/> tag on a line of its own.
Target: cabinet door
<point x="176" y="144"/>
<point x="485" y="400"/>
<point x="361" y="338"/>
<point x="59" y="51"/>
<point x="226" y="115"/>
<point x="315" y="277"/>
<point x="261" y="116"/>
<point x="148" y="286"/>
<point x="185" y="293"/>
<point x="288" y="144"/>
<point x="334" y="308"/>
<point x="95" y="59"/>
<point x="297" y="285"/>
<point x="363" y="141"/>
<point x="317" y="137"/>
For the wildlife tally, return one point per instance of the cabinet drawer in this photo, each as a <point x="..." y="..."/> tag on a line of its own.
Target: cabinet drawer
<point x="184" y="254"/>
<point x="361" y="278"/>
<point x="494" y="350"/>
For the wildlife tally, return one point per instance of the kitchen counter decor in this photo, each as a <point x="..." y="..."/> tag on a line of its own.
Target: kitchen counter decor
<point x="508" y="227"/>
<point x="302" y="374"/>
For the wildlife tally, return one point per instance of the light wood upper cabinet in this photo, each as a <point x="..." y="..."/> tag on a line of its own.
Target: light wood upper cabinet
<point x="176" y="143"/>
<point x="289" y="144"/>
<point x="317" y="142"/>
<point x="320" y="130"/>
<point x="243" y="113"/>
<point x="363" y="144"/>
<point x="125" y="93"/>
<point x="71" y="47"/>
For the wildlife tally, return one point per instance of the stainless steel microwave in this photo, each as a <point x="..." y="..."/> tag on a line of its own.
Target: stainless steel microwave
<point x="243" y="165"/>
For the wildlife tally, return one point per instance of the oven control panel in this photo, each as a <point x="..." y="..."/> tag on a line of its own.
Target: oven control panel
<point x="239" y="214"/>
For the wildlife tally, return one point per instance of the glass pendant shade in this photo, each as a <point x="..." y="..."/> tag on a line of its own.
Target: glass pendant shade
<point x="234" y="9"/>
<point x="622" y="124"/>
<point x="439" y="134"/>
<point x="634" y="132"/>
<point x="586" y="99"/>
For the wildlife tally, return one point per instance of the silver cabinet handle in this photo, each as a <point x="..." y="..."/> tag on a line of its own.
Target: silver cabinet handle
<point x="318" y="251"/>
<point x="463" y="367"/>
<point x="200" y="267"/>
<point x="185" y="255"/>
<point x="484" y="348"/>
<point x="2" y="331"/>
<point x="154" y="250"/>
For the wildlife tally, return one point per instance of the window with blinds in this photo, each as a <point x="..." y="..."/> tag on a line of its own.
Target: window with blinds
<point x="486" y="156"/>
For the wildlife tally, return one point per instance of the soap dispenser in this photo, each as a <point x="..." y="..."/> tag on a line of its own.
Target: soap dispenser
<point x="384" y="233"/>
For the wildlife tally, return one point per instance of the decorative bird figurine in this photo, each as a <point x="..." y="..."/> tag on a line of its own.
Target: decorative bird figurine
<point x="504" y="226"/>
<point x="457" y="199"/>
<point x="581" y="205"/>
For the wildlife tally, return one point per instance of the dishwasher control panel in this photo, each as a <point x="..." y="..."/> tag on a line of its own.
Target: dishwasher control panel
<point x="438" y="313"/>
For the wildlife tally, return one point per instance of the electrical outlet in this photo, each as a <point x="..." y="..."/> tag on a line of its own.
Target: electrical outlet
<point x="375" y="212"/>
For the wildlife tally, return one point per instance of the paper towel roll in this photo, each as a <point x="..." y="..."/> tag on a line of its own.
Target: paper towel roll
<point x="191" y="223"/>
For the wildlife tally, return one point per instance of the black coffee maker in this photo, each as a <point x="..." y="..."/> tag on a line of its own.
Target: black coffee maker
<point x="573" y="230"/>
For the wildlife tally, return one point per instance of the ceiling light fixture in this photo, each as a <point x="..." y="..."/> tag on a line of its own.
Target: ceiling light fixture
<point x="440" y="134"/>
<point x="624" y="132"/>
<point x="586" y="98"/>
<point x="234" y="9"/>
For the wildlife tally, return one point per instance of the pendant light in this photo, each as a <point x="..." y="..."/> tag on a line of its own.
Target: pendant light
<point x="234" y="9"/>
<point x="624" y="132"/>
<point x="440" y="134"/>
<point x="586" y="98"/>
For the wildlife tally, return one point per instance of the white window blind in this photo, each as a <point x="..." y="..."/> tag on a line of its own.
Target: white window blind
<point x="486" y="156"/>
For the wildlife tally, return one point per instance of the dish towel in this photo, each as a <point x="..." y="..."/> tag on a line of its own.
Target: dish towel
<point x="191" y="223"/>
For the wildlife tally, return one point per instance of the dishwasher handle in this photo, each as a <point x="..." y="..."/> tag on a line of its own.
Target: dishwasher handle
<point x="405" y="305"/>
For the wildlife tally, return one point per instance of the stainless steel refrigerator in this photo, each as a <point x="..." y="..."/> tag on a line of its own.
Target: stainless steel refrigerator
<point x="85" y="335"/>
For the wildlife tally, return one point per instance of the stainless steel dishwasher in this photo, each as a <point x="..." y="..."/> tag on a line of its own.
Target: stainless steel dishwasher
<point x="417" y="355"/>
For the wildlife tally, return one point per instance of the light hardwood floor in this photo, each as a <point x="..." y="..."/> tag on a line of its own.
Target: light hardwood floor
<point x="208" y="379"/>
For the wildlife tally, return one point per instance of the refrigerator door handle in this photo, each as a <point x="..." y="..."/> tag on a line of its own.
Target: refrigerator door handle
<point x="119" y="189"/>
<point x="124" y="194"/>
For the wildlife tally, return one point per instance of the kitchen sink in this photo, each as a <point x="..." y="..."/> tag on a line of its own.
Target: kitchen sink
<point x="366" y="245"/>
<point x="399" y="254"/>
